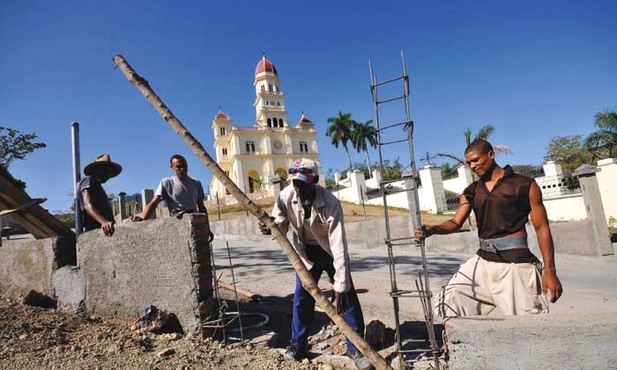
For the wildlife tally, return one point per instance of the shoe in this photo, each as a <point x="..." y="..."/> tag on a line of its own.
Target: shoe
<point x="292" y="353"/>
<point x="361" y="362"/>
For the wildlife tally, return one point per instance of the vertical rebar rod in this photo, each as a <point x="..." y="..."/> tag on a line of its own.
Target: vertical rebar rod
<point x="76" y="177"/>
<point x="233" y="282"/>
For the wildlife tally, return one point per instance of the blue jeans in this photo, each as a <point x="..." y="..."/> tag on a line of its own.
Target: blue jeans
<point x="304" y="304"/>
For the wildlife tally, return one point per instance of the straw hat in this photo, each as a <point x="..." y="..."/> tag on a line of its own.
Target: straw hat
<point x="103" y="161"/>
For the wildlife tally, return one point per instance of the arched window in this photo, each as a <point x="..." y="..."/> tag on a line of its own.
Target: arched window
<point x="269" y="122"/>
<point x="224" y="150"/>
<point x="280" y="122"/>
<point x="222" y="131"/>
<point x="303" y="147"/>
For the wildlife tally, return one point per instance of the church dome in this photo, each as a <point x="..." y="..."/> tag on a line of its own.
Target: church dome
<point x="222" y="115"/>
<point x="304" y="119"/>
<point x="265" y="65"/>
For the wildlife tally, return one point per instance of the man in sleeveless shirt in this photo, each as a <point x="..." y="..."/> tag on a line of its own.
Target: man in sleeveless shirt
<point x="503" y="273"/>
<point x="181" y="193"/>
<point x="315" y="217"/>
<point x="96" y="211"/>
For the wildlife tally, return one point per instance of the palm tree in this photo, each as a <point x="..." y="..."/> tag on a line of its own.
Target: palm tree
<point x="340" y="131"/>
<point x="363" y="134"/>
<point x="603" y="143"/>
<point x="483" y="134"/>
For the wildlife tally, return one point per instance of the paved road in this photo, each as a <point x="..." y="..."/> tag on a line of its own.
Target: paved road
<point x="590" y="283"/>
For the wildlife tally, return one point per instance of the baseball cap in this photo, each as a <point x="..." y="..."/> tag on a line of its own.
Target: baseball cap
<point x="303" y="169"/>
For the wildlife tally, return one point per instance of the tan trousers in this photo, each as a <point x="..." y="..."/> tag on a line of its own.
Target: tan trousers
<point x="479" y="286"/>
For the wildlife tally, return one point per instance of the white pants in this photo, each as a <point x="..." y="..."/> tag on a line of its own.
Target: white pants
<point x="479" y="286"/>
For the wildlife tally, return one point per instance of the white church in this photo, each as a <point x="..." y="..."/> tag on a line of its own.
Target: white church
<point x="257" y="157"/>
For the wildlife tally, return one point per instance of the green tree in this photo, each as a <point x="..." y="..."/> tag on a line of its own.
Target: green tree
<point x="603" y="142"/>
<point x="363" y="136"/>
<point x="340" y="131"/>
<point x="448" y="171"/>
<point x="528" y="170"/>
<point x="568" y="151"/>
<point x="15" y="145"/>
<point x="394" y="171"/>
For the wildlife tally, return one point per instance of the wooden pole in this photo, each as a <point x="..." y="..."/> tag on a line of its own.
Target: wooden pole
<point x="307" y="280"/>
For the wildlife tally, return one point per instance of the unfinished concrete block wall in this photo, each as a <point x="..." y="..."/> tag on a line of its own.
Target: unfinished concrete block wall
<point x="163" y="262"/>
<point x="29" y="264"/>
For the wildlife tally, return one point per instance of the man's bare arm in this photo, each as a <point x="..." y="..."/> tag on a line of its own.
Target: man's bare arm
<point x="550" y="281"/>
<point x="106" y="225"/>
<point x="148" y="209"/>
<point x="450" y="226"/>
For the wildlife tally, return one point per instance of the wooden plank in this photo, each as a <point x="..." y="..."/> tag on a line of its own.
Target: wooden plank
<point x="23" y="206"/>
<point x="36" y="220"/>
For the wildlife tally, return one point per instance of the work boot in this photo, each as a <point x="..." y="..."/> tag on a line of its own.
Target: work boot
<point x="361" y="362"/>
<point x="293" y="353"/>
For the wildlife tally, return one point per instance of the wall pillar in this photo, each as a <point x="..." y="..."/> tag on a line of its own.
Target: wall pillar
<point x="465" y="175"/>
<point x="146" y="197"/>
<point x="122" y="205"/>
<point x="430" y="177"/>
<point x="607" y="182"/>
<point x="593" y="205"/>
<point x="359" y="185"/>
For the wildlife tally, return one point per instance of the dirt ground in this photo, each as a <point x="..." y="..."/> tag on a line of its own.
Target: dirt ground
<point x="37" y="338"/>
<point x="352" y="212"/>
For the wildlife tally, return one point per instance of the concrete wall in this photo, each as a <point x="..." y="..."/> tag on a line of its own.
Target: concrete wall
<point x="163" y="262"/>
<point x="565" y="208"/>
<point x="570" y="237"/>
<point x="29" y="264"/>
<point x="607" y="182"/>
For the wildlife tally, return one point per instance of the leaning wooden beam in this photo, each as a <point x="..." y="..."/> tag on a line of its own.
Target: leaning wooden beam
<point x="307" y="281"/>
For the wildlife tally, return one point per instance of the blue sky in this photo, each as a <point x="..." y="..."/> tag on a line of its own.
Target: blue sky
<point x="533" y="69"/>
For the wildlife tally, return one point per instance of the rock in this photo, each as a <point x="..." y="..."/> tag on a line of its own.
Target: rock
<point x="166" y="352"/>
<point x="375" y="333"/>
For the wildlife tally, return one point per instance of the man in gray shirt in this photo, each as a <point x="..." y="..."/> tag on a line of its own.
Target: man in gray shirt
<point x="182" y="193"/>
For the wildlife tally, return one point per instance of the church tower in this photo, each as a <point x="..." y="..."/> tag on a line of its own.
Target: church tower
<point x="256" y="158"/>
<point x="269" y="103"/>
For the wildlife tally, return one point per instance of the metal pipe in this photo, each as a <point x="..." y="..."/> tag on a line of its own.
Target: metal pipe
<point x="76" y="176"/>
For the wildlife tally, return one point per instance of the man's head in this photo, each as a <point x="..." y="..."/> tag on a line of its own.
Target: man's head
<point x="178" y="164"/>
<point x="304" y="175"/>
<point x="103" y="169"/>
<point x="480" y="157"/>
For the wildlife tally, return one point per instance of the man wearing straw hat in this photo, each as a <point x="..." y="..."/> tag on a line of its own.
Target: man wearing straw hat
<point x="95" y="206"/>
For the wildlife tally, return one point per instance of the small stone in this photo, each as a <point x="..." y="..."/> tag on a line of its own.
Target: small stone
<point x="23" y="336"/>
<point x="166" y="352"/>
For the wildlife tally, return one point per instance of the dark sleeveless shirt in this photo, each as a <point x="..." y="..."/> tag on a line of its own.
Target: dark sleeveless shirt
<point x="501" y="212"/>
<point x="99" y="200"/>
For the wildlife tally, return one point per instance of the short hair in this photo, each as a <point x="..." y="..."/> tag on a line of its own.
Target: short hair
<point x="480" y="146"/>
<point x="178" y="157"/>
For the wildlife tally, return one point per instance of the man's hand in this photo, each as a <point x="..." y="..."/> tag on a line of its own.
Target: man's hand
<point x="424" y="230"/>
<point x="338" y="298"/>
<point x="108" y="228"/>
<point x="264" y="229"/>
<point x="339" y="303"/>
<point x="550" y="282"/>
